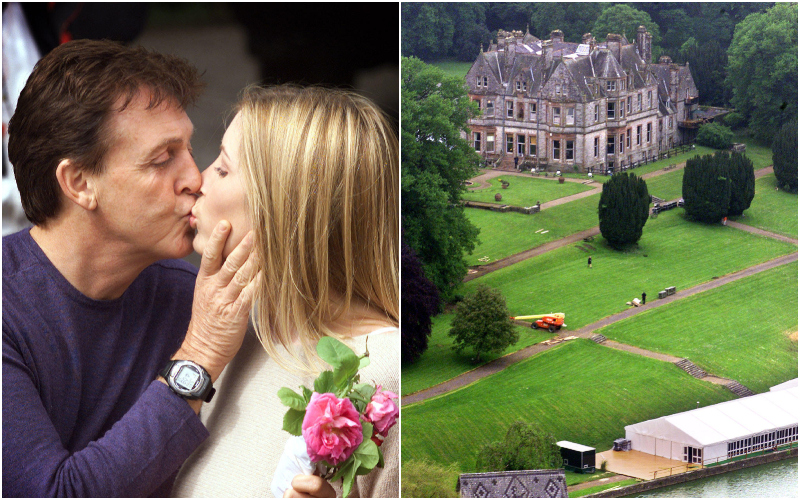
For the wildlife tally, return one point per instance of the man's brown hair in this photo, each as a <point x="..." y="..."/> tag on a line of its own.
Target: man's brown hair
<point x="64" y="110"/>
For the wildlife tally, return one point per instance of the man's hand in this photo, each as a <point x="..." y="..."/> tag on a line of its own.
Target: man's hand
<point x="309" y="487"/>
<point x="223" y="295"/>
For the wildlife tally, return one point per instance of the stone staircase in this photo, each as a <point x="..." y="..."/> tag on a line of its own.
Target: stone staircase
<point x="598" y="338"/>
<point x="690" y="368"/>
<point x="738" y="389"/>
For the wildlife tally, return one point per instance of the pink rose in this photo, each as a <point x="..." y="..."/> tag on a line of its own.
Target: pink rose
<point x="331" y="428"/>
<point x="381" y="411"/>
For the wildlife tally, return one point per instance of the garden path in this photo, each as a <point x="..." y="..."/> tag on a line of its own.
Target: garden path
<point x="587" y="331"/>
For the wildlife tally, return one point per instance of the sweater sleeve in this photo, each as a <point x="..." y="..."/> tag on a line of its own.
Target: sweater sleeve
<point x="133" y="459"/>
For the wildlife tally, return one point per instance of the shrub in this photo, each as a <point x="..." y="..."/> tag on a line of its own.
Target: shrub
<point x="784" y="157"/>
<point x="525" y="447"/>
<point x="623" y="209"/>
<point x="743" y="183"/>
<point x="482" y="324"/>
<point x="706" y="188"/>
<point x="426" y="479"/>
<point x="419" y="301"/>
<point x="715" y="136"/>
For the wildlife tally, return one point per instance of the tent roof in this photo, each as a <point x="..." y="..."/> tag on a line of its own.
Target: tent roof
<point x="786" y="385"/>
<point x="574" y="446"/>
<point x="726" y="421"/>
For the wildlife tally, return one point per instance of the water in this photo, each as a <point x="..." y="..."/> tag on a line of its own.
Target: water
<point x="773" y="480"/>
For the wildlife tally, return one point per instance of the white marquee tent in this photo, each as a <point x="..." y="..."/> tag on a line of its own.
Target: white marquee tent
<point x="717" y="432"/>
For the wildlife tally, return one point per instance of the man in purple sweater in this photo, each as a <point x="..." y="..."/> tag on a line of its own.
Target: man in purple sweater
<point x="109" y="350"/>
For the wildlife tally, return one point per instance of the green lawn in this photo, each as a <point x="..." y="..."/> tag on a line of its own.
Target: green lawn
<point x="667" y="186"/>
<point x="761" y="154"/>
<point x="671" y="252"/>
<point x="739" y="330"/>
<point x="454" y="68"/>
<point x="525" y="191"/>
<point x="579" y="391"/>
<point x="504" y="234"/>
<point x="602" y="487"/>
<point x="772" y="210"/>
<point x="440" y="362"/>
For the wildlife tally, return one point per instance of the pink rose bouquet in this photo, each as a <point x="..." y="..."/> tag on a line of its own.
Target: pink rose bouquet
<point x="343" y="422"/>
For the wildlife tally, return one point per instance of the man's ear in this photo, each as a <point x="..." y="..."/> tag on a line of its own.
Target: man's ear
<point x="77" y="184"/>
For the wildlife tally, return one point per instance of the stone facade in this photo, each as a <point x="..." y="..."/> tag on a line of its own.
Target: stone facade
<point x="568" y="106"/>
<point x="544" y="483"/>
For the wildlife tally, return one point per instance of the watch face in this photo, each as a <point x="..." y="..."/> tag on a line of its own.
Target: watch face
<point x="187" y="378"/>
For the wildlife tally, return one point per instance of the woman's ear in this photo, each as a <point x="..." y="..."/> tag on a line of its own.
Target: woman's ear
<point x="77" y="184"/>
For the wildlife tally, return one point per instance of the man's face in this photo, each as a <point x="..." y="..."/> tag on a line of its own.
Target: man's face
<point x="146" y="191"/>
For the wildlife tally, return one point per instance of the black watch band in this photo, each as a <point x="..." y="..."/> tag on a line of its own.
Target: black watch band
<point x="188" y="380"/>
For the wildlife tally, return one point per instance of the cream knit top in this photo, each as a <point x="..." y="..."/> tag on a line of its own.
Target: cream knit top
<point x="245" y="421"/>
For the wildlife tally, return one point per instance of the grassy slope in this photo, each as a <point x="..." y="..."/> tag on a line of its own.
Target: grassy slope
<point x="772" y="210"/>
<point x="440" y="362"/>
<point x="671" y="252"/>
<point x="579" y="391"/>
<point x="504" y="234"/>
<point x="453" y="68"/>
<point x="525" y="191"/>
<point x="737" y="331"/>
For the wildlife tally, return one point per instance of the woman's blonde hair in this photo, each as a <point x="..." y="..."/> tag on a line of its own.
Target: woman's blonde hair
<point x="320" y="172"/>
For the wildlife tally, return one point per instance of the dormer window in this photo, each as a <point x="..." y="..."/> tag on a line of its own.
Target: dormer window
<point x="485" y="81"/>
<point x="479" y="82"/>
<point x="558" y="89"/>
<point x="522" y="86"/>
<point x="611" y="85"/>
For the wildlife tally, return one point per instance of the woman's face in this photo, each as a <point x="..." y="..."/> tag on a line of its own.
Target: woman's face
<point x="222" y="194"/>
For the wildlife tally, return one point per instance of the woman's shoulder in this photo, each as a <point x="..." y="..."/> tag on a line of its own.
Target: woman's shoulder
<point x="383" y="346"/>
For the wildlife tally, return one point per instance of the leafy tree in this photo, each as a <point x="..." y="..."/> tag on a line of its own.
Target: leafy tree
<point x="743" y="182"/>
<point x="784" y="156"/>
<point x="507" y="16"/>
<point x="482" y="323"/>
<point x="427" y="30"/>
<point x="715" y="136"/>
<point x="420" y="301"/>
<point x="423" y="478"/>
<point x="623" y="209"/>
<point x="435" y="162"/>
<point x="574" y="19"/>
<point x="624" y="19"/>
<point x="706" y="188"/>
<point x="525" y="447"/>
<point x="470" y="29"/>
<point x="762" y="69"/>
<point x="708" y="66"/>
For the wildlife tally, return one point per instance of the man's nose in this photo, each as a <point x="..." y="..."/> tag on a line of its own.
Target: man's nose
<point x="190" y="180"/>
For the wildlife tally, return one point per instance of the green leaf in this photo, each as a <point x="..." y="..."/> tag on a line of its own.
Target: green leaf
<point x="367" y="453"/>
<point x="343" y="372"/>
<point x="363" y="362"/>
<point x="366" y="430"/>
<point x="350" y="474"/>
<point x="380" y="461"/>
<point x="293" y="421"/>
<point x="292" y="399"/>
<point x="366" y="391"/>
<point x="306" y="393"/>
<point x="335" y="353"/>
<point x="324" y="383"/>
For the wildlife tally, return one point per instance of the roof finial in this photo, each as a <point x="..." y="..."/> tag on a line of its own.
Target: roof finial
<point x="481" y="47"/>
<point x="528" y="29"/>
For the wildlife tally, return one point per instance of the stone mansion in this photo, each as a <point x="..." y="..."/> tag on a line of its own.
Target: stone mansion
<point x="586" y="107"/>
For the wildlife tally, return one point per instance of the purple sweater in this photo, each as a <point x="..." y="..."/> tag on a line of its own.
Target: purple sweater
<point x="82" y="412"/>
